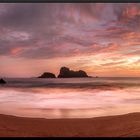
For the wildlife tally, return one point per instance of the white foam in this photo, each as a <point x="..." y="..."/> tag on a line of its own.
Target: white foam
<point x="55" y="103"/>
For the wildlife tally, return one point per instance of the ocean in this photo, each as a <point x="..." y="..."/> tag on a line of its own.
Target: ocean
<point x="70" y="97"/>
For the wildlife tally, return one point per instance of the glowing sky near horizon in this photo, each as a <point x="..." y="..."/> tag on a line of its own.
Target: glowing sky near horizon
<point x="101" y="38"/>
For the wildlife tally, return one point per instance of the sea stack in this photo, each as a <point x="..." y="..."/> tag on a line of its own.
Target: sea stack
<point x="47" y="75"/>
<point x="2" y="81"/>
<point x="67" y="73"/>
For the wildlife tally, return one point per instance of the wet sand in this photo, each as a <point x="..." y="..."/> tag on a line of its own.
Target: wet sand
<point x="111" y="126"/>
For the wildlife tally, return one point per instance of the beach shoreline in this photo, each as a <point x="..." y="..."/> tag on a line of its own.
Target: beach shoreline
<point x="127" y="125"/>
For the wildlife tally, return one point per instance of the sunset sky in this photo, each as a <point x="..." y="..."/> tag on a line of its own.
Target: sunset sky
<point x="102" y="39"/>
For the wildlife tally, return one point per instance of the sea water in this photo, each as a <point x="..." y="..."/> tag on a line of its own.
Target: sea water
<point x="70" y="97"/>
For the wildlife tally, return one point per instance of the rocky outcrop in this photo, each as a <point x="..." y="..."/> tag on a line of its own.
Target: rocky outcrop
<point x="2" y="81"/>
<point x="47" y="75"/>
<point x="67" y="73"/>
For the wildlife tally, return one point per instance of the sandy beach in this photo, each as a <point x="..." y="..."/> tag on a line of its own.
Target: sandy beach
<point x="127" y="125"/>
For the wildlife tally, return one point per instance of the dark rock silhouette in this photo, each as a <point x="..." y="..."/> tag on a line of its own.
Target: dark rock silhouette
<point x="2" y="81"/>
<point x="67" y="73"/>
<point x="47" y="75"/>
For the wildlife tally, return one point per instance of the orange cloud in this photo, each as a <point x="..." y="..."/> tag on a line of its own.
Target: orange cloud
<point x="131" y="12"/>
<point x="132" y="43"/>
<point x="15" y="51"/>
<point x="114" y="29"/>
<point x="131" y="35"/>
<point x="111" y="47"/>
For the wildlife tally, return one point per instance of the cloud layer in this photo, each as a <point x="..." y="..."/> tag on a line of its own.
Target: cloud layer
<point x="109" y="32"/>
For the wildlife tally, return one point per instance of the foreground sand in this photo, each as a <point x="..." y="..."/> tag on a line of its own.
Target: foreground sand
<point x="118" y="126"/>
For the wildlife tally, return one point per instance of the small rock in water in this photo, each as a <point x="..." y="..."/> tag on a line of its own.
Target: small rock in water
<point x="2" y="81"/>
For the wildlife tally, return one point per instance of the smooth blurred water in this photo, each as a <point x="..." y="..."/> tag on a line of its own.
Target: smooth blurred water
<point x="70" y="97"/>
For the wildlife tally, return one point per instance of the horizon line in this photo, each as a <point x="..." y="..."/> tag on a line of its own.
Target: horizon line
<point x="81" y="77"/>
